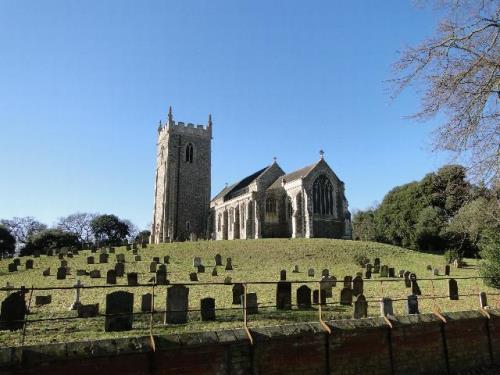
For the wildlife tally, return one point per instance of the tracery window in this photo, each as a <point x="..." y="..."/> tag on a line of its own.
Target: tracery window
<point x="270" y="205"/>
<point x="323" y="201"/>
<point x="189" y="153"/>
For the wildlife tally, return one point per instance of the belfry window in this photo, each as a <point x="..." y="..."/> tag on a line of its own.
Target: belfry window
<point x="189" y="153"/>
<point x="323" y="201"/>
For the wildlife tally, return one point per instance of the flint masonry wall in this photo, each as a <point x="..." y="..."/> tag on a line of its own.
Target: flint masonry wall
<point x="415" y="344"/>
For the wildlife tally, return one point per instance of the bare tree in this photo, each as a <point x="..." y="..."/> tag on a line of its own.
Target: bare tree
<point x="79" y="224"/>
<point x="458" y="72"/>
<point x="23" y="227"/>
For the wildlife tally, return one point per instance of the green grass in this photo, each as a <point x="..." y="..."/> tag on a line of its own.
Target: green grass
<point x="253" y="260"/>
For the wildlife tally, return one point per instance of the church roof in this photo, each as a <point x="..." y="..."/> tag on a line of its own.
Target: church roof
<point x="295" y="175"/>
<point x="233" y="190"/>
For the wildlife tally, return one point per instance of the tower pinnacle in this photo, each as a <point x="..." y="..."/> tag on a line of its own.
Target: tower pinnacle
<point x="209" y="119"/>
<point x="170" y="116"/>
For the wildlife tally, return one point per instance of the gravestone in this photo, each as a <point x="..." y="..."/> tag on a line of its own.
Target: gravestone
<point x="412" y="305"/>
<point x="483" y="300"/>
<point x="177" y="305"/>
<point x="103" y="258"/>
<point x="61" y="273"/>
<point x="384" y="271"/>
<point x="196" y="261"/>
<point x="76" y="302"/>
<point x="296" y="269"/>
<point x="29" y="264"/>
<point x="392" y="272"/>
<point x="64" y="263"/>
<point x="214" y="271"/>
<point x="368" y="274"/>
<point x="152" y="267"/>
<point x="386" y="306"/>
<point x="229" y="264"/>
<point x="453" y="289"/>
<point x="161" y="276"/>
<point x="120" y="258"/>
<point x="348" y="282"/>
<point x="447" y="270"/>
<point x="282" y="275"/>
<point x="376" y="268"/>
<point x="435" y="271"/>
<point x="81" y="273"/>
<point x="325" y="272"/>
<point x="376" y="261"/>
<point x="156" y="259"/>
<point x="252" y="305"/>
<point x="201" y="268"/>
<point x="316" y="294"/>
<point x="284" y="295"/>
<point x="111" y="277"/>
<point x="43" y="300"/>
<point x="357" y="286"/>
<point x="119" y="309"/>
<point x="238" y="291"/>
<point x="304" y="297"/>
<point x="310" y="272"/>
<point x="95" y="274"/>
<point x="406" y="275"/>
<point x="360" y="307"/>
<point x="368" y="267"/>
<point x="346" y="296"/>
<point x="88" y="311"/>
<point x="46" y="272"/>
<point x="132" y="279"/>
<point x="401" y="273"/>
<point x="13" y="312"/>
<point x="120" y="269"/>
<point x="90" y="260"/>
<point x="415" y="289"/>
<point x="218" y="260"/>
<point x="227" y="280"/>
<point x="137" y="258"/>
<point x="193" y="276"/>
<point x="146" y="300"/>
<point x="207" y="309"/>
<point x="326" y="284"/>
<point x="12" y="267"/>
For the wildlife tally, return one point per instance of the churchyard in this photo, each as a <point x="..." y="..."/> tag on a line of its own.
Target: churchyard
<point x="259" y="264"/>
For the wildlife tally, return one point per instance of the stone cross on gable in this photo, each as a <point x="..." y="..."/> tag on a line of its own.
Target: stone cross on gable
<point x="321" y="153"/>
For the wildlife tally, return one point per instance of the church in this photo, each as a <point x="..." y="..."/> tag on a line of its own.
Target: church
<point x="307" y="203"/>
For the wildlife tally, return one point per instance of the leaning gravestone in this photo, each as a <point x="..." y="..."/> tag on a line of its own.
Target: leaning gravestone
<point x="146" y="300"/>
<point x="88" y="311"/>
<point x="357" y="286"/>
<point x="29" y="264"/>
<point x="284" y="295"/>
<point x="207" y="309"/>
<point x="282" y="275"/>
<point x="119" y="311"/>
<point x="316" y="295"/>
<point x="120" y="269"/>
<point x="64" y="263"/>
<point x="360" y="307"/>
<point x="310" y="272"/>
<point x="252" y="305"/>
<point x="238" y="291"/>
<point x="218" y="260"/>
<point x="13" y="312"/>
<point x="61" y="273"/>
<point x="229" y="264"/>
<point x="111" y="277"/>
<point x="304" y="297"/>
<point x="177" y="305"/>
<point x="346" y="296"/>
<point x="386" y="306"/>
<point x="132" y="279"/>
<point x="453" y="289"/>
<point x="196" y="261"/>
<point x="412" y="305"/>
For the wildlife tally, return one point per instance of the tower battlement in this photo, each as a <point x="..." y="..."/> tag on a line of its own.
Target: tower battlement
<point x="180" y="127"/>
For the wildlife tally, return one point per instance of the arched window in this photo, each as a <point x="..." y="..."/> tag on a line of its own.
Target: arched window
<point x="243" y="216"/>
<point x="289" y="207"/>
<point x="323" y="201"/>
<point x="219" y="222"/>
<point x="189" y="153"/>
<point x="270" y="205"/>
<point x="231" y="218"/>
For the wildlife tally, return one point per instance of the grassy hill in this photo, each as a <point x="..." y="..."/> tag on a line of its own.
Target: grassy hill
<point x="253" y="260"/>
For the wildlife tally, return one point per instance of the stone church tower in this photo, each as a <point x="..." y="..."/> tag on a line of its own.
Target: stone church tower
<point x="182" y="182"/>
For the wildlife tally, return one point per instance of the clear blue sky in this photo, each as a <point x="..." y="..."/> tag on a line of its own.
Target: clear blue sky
<point x="83" y="85"/>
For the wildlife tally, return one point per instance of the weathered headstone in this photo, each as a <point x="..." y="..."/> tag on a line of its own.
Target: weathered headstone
<point x="60" y="256"/>
<point x="120" y="269"/>
<point x="166" y="259"/>
<point x="346" y="296"/>
<point x="201" y="268"/>
<point x="207" y="308"/>
<point x="88" y="311"/>
<point x="152" y="267"/>
<point x="326" y="284"/>
<point x="252" y="305"/>
<point x="12" y="267"/>
<point x="134" y="246"/>
<point x="360" y="307"/>
<point x="304" y="297"/>
<point x="146" y="300"/>
<point x="218" y="260"/>
<point x="103" y="258"/>
<point x="161" y="276"/>
<point x="119" y="311"/>
<point x="407" y="279"/>
<point x="310" y="272"/>
<point x="348" y="282"/>
<point x="120" y="258"/>
<point x="392" y="272"/>
<point x="13" y="312"/>
<point x="90" y="260"/>
<point x="483" y="300"/>
<point x="76" y="302"/>
<point x="177" y="305"/>
<point x="296" y="269"/>
<point x="384" y="271"/>
<point x="284" y="295"/>
<point x="95" y="274"/>
<point x="196" y="261"/>
<point x="453" y="289"/>
<point x="435" y="271"/>
<point x="61" y="273"/>
<point x="412" y="304"/>
<point x="111" y="277"/>
<point x="386" y="306"/>
<point x="132" y="279"/>
<point x="316" y="295"/>
<point x="238" y="291"/>
<point x="193" y="276"/>
<point x="368" y="274"/>
<point x="29" y="264"/>
<point x="144" y="245"/>
<point x="282" y="275"/>
<point x="229" y="264"/>
<point x="357" y="286"/>
<point x="43" y="300"/>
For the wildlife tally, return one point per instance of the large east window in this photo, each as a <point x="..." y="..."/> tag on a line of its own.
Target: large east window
<point x="323" y="201"/>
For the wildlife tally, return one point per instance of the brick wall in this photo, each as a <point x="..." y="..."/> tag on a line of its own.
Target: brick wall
<point x="417" y="344"/>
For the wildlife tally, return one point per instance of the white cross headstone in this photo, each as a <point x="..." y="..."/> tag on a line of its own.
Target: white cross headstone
<point x="77" y="302"/>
